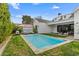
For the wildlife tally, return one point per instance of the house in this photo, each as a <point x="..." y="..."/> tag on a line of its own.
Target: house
<point x="65" y="24"/>
<point x="42" y="25"/>
<point x="27" y="28"/>
<point x="62" y="24"/>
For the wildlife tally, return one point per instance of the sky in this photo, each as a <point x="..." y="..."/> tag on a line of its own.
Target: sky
<point x="48" y="11"/>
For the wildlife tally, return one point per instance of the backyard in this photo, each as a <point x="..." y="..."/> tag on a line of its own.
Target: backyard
<point x="18" y="47"/>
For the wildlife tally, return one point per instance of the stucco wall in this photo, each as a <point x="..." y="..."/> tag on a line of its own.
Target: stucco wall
<point x="35" y="22"/>
<point x="42" y="27"/>
<point x="53" y="28"/>
<point x="76" y="24"/>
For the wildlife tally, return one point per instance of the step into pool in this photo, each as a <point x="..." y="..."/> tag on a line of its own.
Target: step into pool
<point x="40" y="43"/>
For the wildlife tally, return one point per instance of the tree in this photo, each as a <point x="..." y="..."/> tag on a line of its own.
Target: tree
<point x="27" y="19"/>
<point x="5" y="23"/>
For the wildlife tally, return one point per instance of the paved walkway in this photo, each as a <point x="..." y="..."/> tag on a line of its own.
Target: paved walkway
<point x="3" y="45"/>
<point x="69" y="38"/>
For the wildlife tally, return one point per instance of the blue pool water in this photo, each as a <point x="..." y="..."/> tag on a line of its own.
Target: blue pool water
<point x="41" y="41"/>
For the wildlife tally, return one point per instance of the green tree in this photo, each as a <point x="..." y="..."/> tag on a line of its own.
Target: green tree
<point x="5" y="23"/>
<point x="27" y="19"/>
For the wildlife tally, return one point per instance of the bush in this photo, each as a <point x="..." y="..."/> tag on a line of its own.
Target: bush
<point x="17" y="28"/>
<point x="35" y="29"/>
<point x="20" y="29"/>
<point x="5" y="23"/>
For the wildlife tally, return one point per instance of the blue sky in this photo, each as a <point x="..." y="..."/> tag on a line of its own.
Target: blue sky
<point x="47" y="10"/>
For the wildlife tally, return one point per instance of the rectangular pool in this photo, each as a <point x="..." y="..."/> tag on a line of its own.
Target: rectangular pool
<point x="38" y="41"/>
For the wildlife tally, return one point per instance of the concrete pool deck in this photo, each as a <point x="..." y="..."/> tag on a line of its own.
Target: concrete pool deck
<point x="37" y="51"/>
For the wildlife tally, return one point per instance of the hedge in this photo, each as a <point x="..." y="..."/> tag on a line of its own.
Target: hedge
<point x="5" y="23"/>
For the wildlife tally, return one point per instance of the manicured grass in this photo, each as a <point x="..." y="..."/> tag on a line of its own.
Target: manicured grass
<point x="70" y="49"/>
<point x="56" y="35"/>
<point x="17" y="46"/>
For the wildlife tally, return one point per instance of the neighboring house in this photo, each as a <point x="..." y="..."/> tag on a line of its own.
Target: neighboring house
<point x="27" y="28"/>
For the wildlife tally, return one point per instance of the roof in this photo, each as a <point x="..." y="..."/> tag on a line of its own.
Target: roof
<point x="42" y="20"/>
<point x="63" y="17"/>
<point x="26" y="25"/>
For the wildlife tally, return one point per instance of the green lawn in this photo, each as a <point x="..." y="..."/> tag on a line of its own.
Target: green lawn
<point x="70" y="49"/>
<point x="17" y="46"/>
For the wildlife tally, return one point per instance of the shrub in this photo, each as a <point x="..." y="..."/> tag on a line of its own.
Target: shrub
<point x="17" y="28"/>
<point x="35" y="29"/>
<point x="20" y="29"/>
<point x="5" y="23"/>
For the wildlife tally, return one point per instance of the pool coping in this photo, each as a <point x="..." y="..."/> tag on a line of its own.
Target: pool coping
<point x="37" y="51"/>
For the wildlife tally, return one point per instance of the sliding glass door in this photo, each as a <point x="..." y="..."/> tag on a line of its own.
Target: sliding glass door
<point x="69" y="28"/>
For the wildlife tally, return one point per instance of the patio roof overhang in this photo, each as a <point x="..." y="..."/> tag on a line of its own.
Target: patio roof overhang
<point x="62" y="22"/>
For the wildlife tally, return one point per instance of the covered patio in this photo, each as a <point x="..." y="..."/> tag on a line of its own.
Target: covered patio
<point x="62" y="27"/>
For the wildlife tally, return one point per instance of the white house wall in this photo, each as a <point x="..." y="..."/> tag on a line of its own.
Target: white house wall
<point x="76" y="24"/>
<point x="53" y="28"/>
<point x="35" y="22"/>
<point x="42" y="27"/>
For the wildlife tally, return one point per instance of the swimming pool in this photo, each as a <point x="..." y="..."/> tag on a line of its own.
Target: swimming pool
<point x="40" y="43"/>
